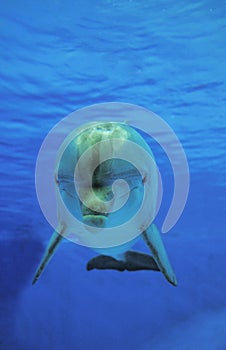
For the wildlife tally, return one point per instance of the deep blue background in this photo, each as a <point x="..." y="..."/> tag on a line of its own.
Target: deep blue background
<point x="56" y="57"/>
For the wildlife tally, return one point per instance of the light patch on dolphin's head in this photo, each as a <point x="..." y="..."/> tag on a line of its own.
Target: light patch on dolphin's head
<point x="95" y="210"/>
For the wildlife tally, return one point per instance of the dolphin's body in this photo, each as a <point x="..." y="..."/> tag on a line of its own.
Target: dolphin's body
<point x="94" y="212"/>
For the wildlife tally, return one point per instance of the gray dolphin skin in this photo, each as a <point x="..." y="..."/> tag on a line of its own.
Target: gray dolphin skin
<point x="94" y="212"/>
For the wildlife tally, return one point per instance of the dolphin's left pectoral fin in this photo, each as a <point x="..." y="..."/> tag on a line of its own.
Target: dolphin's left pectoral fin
<point x="50" y="250"/>
<point x="154" y="242"/>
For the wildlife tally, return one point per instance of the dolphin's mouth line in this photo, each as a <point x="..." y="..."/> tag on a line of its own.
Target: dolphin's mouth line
<point x="87" y="216"/>
<point x="94" y="215"/>
<point x="89" y="212"/>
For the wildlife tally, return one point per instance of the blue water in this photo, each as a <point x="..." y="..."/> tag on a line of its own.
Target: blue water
<point x="56" y="57"/>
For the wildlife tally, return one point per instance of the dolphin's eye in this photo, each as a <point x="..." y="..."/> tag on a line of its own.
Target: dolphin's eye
<point x="56" y="179"/>
<point x="144" y="179"/>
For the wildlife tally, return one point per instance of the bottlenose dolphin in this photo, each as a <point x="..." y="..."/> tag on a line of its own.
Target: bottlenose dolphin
<point x="93" y="212"/>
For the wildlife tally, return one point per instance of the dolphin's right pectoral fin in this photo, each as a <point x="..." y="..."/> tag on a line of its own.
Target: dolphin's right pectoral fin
<point x="154" y="242"/>
<point x="50" y="250"/>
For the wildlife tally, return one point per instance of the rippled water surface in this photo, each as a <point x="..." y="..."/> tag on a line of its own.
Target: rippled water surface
<point x="169" y="57"/>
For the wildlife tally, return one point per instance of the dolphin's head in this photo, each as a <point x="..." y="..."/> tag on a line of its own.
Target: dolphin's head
<point x="89" y="193"/>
